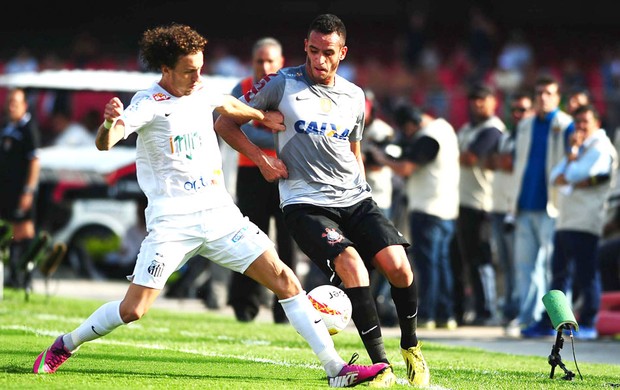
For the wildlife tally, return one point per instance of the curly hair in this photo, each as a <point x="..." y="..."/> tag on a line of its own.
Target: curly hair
<point x="164" y="45"/>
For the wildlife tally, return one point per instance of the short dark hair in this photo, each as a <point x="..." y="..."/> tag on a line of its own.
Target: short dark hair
<point x="480" y="91"/>
<point x="522" y="94"/>
<point x="407" y="113"/>
<point x="546" y="79"/>
<point x="585" y="108"/>
<point x="164" y="45"/>
<point x="327" y="24"/>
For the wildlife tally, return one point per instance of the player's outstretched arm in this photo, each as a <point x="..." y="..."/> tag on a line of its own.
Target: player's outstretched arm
<point x="229" y="128"/>
<point x="241" y="113"/>
<point x="111" y="130"/>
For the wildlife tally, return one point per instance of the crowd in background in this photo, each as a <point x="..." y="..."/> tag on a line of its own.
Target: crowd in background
<point x="418" y="71"/>
<point x="417" y="65"/>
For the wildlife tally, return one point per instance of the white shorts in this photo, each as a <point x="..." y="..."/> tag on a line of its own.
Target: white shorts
<point x="223" y="236"/>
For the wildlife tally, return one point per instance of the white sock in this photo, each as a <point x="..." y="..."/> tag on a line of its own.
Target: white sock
<point x="100" y="323"/>
<point x="307" y="321"/>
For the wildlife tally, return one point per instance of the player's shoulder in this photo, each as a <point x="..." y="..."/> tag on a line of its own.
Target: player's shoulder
<point x="344" y="85"/>
<point x="291" y="72"/>
<point x="154" y="94"/>
<point x="497" y="123"/>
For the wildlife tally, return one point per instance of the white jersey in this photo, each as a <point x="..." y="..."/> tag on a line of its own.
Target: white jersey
<point x="321" y="122"/>
<point x="178" y="161"/>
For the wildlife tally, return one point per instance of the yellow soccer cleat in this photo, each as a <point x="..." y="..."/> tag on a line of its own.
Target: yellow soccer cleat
<point x="386" y="379"/>
<point x="417" y="370"/>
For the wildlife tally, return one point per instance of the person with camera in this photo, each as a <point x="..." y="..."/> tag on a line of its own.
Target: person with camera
<point x="430" y="162"/>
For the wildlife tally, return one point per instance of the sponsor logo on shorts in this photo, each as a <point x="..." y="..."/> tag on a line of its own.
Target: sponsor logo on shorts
<point x="333" y="237"/>
<point x="239" y="235"/>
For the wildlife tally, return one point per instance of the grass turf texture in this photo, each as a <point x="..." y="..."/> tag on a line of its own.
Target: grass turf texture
<point x="169" y="349"/>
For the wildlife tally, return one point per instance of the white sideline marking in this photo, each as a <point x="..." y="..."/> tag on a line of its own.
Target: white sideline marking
<point x="52" y="333"/>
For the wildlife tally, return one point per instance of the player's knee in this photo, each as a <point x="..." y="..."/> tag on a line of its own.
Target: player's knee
<point x="351" y="270"/>
<point x="399" y="274"/>
<point x="131" y="314"/>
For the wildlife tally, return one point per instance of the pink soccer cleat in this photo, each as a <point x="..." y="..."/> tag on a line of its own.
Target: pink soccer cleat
<point x="50" y="359"/>
<point x="352" y="374"/>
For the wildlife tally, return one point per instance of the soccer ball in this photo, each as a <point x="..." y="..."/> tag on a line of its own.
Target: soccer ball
<point x="333" y="305"/>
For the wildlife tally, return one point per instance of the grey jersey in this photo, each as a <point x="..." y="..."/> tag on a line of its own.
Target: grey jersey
<point x="321" y="122"/>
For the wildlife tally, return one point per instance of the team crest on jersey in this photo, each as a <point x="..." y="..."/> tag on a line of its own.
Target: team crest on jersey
<point x="333" y="237"/>
<point x="326" y="104"/>
<point x="158" y="97"/>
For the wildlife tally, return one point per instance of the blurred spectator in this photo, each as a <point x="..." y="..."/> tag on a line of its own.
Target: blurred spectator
<point x="502" y="219"/>
<point x="22" y="61"/>
<point x="540" y="143"/>
<point x="19" y="175"/>
<point x="416" y="37"/>
<point x="481" y="43"/>
<point x="610" y="69"/>
<point x="224" y="63"/>
<point x="515" y="57"/>
<point x="68" y="132"/>
<point x="473" y="268"/>
<point x="573" y="76"/>
<point x="516" y="53"/>
<point x="577" y="97"/>
<point x="85" y="51"/>
<point x="379" y="134"/>
<point x="429" y="162"/>
<point x="257" y="198"/>
<point x="582" y="204"/>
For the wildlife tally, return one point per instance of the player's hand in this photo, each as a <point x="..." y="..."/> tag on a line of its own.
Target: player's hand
<point x="274" y="120"/>
<point x="113" y="109"/>
<point x="273" y="169"/>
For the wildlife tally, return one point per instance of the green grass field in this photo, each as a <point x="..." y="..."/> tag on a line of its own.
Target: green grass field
<point x="168" y="349"/>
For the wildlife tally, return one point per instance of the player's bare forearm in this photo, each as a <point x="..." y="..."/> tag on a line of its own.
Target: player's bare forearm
<point x="111" y="130"/>
<point x="271" y="168"/>
<point x="241" y="113"/>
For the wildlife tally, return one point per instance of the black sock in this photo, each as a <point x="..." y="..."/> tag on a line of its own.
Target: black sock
<point x="366" y="321"/>
<point x="15" y="255"/>
<point x="406" y="302"/>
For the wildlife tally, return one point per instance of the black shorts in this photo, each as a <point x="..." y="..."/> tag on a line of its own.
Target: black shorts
<point x="322" y="233"/>
<point x="9" y="208"/>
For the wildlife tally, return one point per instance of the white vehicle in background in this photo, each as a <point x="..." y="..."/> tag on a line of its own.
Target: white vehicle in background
<point x="88" y="198"/>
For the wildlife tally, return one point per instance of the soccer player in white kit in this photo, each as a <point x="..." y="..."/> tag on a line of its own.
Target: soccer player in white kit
<point x="326" y="201"/>
<point x="189" y="212"/>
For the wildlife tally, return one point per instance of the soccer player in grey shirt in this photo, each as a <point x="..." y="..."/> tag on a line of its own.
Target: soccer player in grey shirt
<point x="326" y="200"/>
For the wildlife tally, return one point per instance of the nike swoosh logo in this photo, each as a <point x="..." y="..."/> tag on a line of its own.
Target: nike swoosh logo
<point x="369" y="330"/>
<point x="317" y="321"/>
<point x="302" y="97"/>
<point x="167" y="114"/>
<point x="93" y="328"/>
<point x="413" y="315"/>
